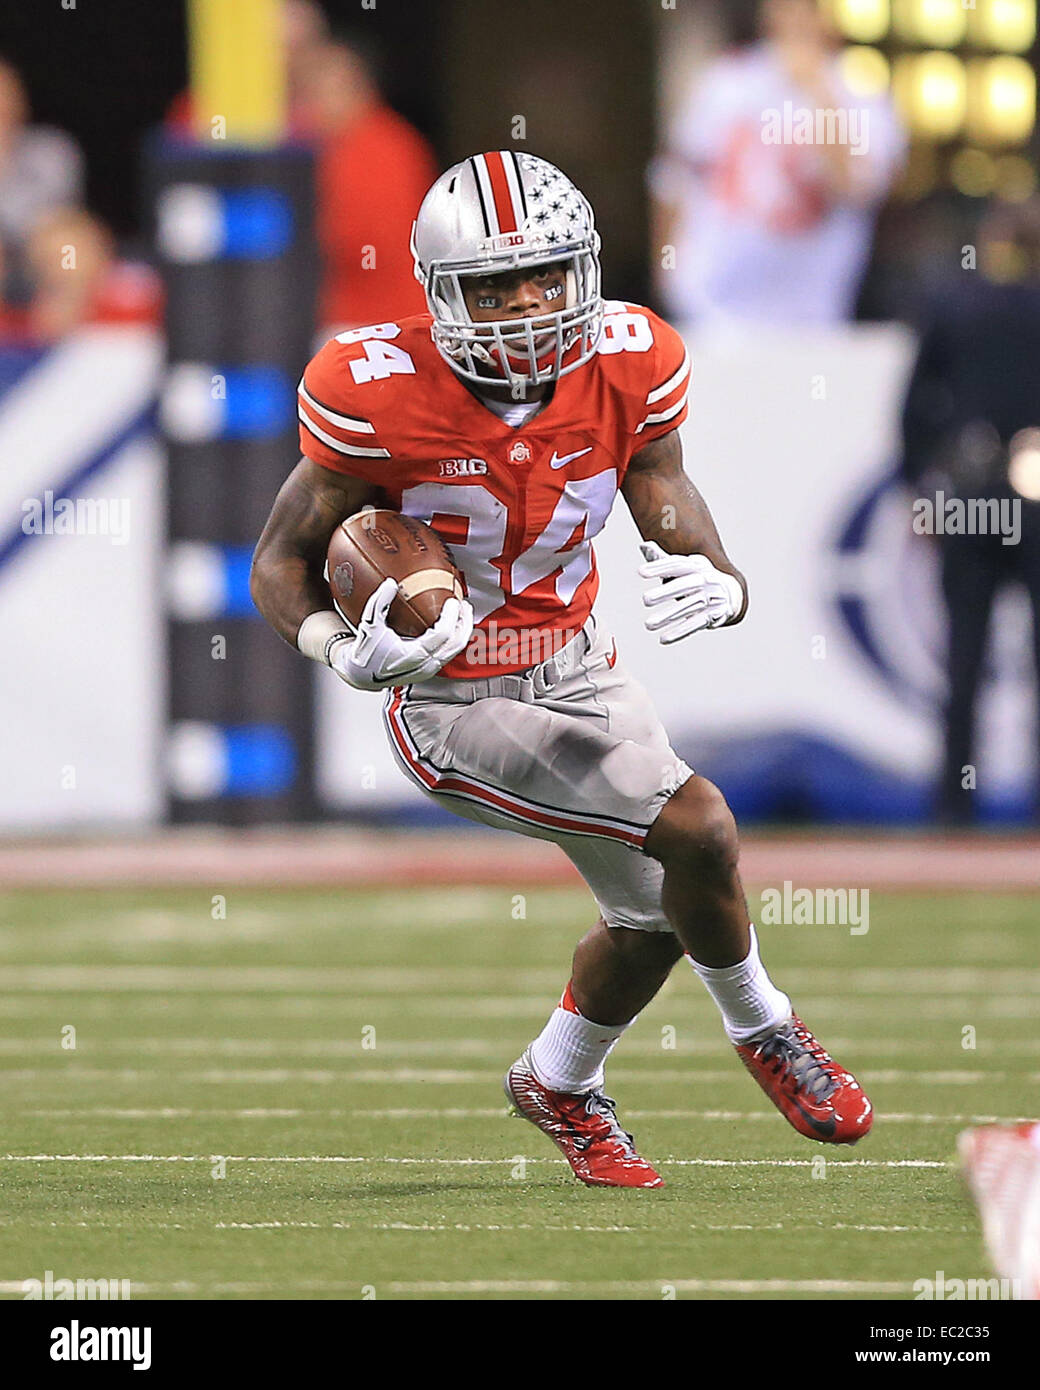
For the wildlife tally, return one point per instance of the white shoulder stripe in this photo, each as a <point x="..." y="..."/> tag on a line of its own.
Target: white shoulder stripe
<point x="338" y="444"/>
<point x="345" y="422"/>
<point x="663" y="415"/>
<point x="671" y="383"/>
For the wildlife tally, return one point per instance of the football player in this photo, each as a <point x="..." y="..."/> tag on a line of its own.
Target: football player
<point x="509" y="418"/>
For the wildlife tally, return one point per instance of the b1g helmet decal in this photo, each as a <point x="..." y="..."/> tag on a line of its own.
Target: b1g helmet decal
<point x="504" y="211"/>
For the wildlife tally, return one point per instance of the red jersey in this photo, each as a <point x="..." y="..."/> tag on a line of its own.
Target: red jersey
<point x="519" y="507"/>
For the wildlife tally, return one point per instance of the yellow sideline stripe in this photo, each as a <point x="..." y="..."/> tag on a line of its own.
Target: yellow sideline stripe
<point x="237" y="71"/>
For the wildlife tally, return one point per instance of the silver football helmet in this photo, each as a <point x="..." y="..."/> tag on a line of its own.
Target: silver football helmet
<point x="503" y="211"/>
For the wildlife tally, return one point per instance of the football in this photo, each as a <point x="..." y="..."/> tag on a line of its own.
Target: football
<point x="377" y="544"/>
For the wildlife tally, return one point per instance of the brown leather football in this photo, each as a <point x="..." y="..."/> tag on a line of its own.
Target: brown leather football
<point x="377" y="544"/>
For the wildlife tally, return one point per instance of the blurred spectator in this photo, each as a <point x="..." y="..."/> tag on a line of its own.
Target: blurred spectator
<point x="772" y="176"/>
<point x="13" y="326"/>
<point x="373" y="170"/>
<point x="40" y="169"/>
<point x="77" y="279"/>
<point x="304" y="27"/>
<point x="971" y="433"/>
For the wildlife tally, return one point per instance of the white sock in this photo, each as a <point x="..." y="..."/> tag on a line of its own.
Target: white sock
<point x="747" y="998"/>
<point x="570" y="1051"/>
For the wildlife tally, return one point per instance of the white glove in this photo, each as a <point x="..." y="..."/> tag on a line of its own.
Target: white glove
<point x="378" y="657"/>
<point x="693" y="594"/>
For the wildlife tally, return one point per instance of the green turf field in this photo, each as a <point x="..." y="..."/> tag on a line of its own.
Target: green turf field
<point x="342" y="1053"/>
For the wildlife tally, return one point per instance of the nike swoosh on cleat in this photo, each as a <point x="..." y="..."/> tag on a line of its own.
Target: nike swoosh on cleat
<point x="824" y="1128"/>
<point x="557" y="462"/>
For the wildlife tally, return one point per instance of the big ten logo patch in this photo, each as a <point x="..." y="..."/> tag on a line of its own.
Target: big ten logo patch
<point x="461" y="468"/>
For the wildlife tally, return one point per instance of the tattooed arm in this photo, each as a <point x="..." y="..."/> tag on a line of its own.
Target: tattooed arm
<point x="286" y="578"/>
<point x="669" y="510"/>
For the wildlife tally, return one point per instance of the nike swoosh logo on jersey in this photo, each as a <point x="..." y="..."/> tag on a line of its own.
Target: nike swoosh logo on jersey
<point x="557" y="462"/>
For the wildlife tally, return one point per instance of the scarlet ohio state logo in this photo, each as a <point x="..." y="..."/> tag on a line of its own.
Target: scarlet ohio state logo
<point x="520" y="452"/>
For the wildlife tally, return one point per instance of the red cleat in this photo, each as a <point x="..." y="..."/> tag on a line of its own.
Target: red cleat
<point x="584" y="1127"/>
<point x="818" y="1097"/>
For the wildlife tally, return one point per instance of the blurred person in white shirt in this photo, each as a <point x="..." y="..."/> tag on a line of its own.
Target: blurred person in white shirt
<point x="771" y="180"/>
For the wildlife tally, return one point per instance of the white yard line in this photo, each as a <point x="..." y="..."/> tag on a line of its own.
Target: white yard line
<point x="656" y="1288"/>
<point x="354" y="980"/>
<point x="450" y="1076"/>
<point x="652" y="1230"/>
<point x="288" y="1226"/>
<point x="882" y="1116"/>
<point x="175" y="1113"/>
<point x="492" y="1227"/>
<point x="481" y="1113"/>
<point x="687" y="1010"/>
<point x="461" y="1162"/>
<point x="452" y="1047"/>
